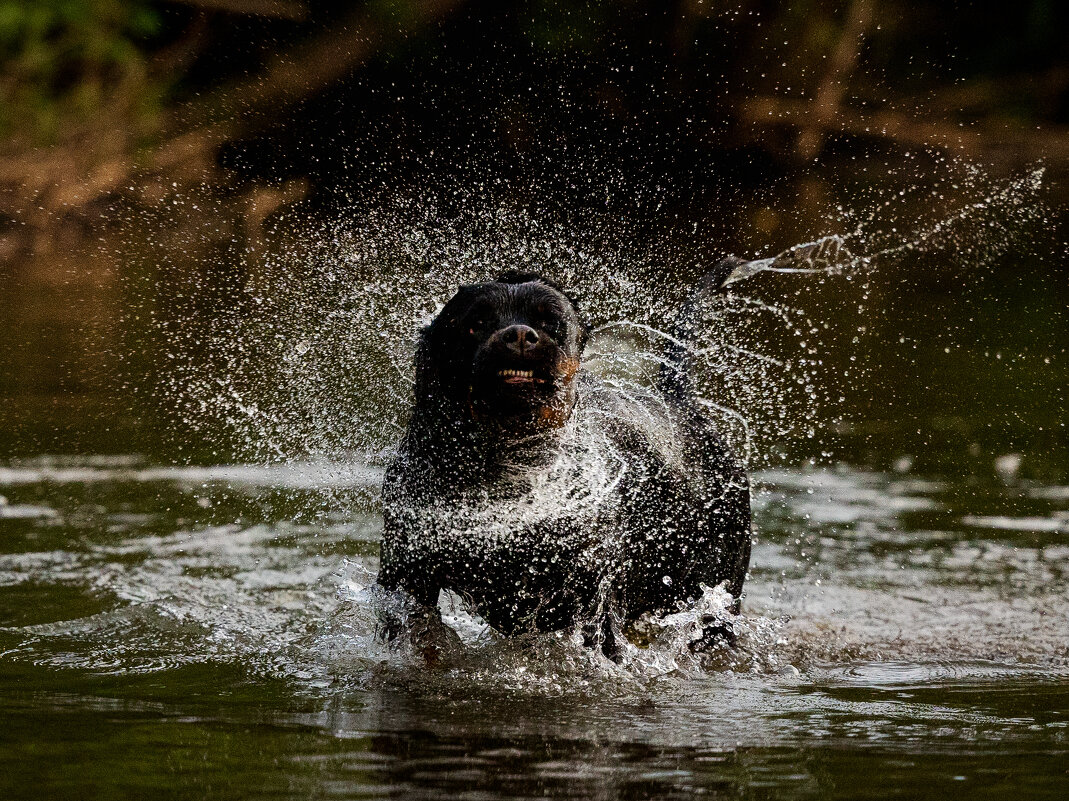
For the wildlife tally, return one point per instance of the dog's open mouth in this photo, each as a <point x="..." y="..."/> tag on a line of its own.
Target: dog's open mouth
<point x="520" y="377"/>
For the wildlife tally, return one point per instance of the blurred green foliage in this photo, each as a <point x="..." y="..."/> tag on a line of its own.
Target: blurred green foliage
<point x="62" y="61"/>
<point x="66" y="64"/>
<point x="562" y="25"/>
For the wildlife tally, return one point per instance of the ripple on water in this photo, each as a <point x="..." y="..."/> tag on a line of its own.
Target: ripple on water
<point x="861" y="589"/>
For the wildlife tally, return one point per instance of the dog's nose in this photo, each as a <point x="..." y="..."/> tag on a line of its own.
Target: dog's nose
<point x="519" y="338"/>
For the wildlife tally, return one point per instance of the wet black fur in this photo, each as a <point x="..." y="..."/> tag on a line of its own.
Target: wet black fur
<point x="676" y="528"/>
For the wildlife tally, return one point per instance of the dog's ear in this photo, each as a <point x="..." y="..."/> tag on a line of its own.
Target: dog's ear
<point x="433" y="350"/>
<point x="584" y="325"/>
<point x="427" y="378"/>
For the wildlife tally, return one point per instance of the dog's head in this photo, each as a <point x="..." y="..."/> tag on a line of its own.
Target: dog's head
<point x="505" y="352"/>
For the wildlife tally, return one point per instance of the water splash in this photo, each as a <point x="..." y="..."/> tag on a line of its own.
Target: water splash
<point x="311" y="360"/>
<point x="825" y="255"/>
<point x="312" y="356"/>
<point x="166" y="585"/>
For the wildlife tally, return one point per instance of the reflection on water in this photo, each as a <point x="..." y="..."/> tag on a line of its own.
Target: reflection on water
<point x="203" y="616"/>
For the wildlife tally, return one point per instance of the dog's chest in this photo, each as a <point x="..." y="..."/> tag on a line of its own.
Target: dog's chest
<point x="527" y="515"/>
<point x="532" y="549"/>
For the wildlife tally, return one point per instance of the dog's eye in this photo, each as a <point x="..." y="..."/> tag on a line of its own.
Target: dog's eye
<point x="478" y="327"/>
<point x="555" y="328"/>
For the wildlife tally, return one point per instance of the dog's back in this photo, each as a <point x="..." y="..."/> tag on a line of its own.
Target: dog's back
<point x="685" y="518"/>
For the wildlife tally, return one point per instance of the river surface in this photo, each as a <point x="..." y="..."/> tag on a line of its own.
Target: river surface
<point x="910" y="628"/>
<point x="184" y="618"/>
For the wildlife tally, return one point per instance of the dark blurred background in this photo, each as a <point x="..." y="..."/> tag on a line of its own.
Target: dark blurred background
<point x="131" y="129"/>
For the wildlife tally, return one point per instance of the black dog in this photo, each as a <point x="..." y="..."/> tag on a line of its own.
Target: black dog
<point x="540" y="494"/>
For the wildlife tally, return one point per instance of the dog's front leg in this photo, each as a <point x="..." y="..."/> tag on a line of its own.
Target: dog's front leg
<point x="412" y="596"/>
<point x="411" y="613"/>
<point x="600" y="634"/>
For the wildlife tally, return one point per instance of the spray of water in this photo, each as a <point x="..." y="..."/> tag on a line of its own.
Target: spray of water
<point x="313" y="362"/>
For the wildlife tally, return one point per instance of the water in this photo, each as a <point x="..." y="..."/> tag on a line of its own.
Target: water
<point x="205" y="627"/>
<point x="149" y="644"/>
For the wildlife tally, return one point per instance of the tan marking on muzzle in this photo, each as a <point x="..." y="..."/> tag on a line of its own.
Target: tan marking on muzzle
<point x="567" y="370"/>
<point x="556" y="414"/>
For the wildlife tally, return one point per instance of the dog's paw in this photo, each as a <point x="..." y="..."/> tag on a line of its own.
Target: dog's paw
<point x="431" y="638"/>
<point x="716" y="631"/>
<point x="602" y="636"/>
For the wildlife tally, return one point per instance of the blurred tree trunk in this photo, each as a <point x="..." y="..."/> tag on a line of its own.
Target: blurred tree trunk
<point x="829" y="95"/>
